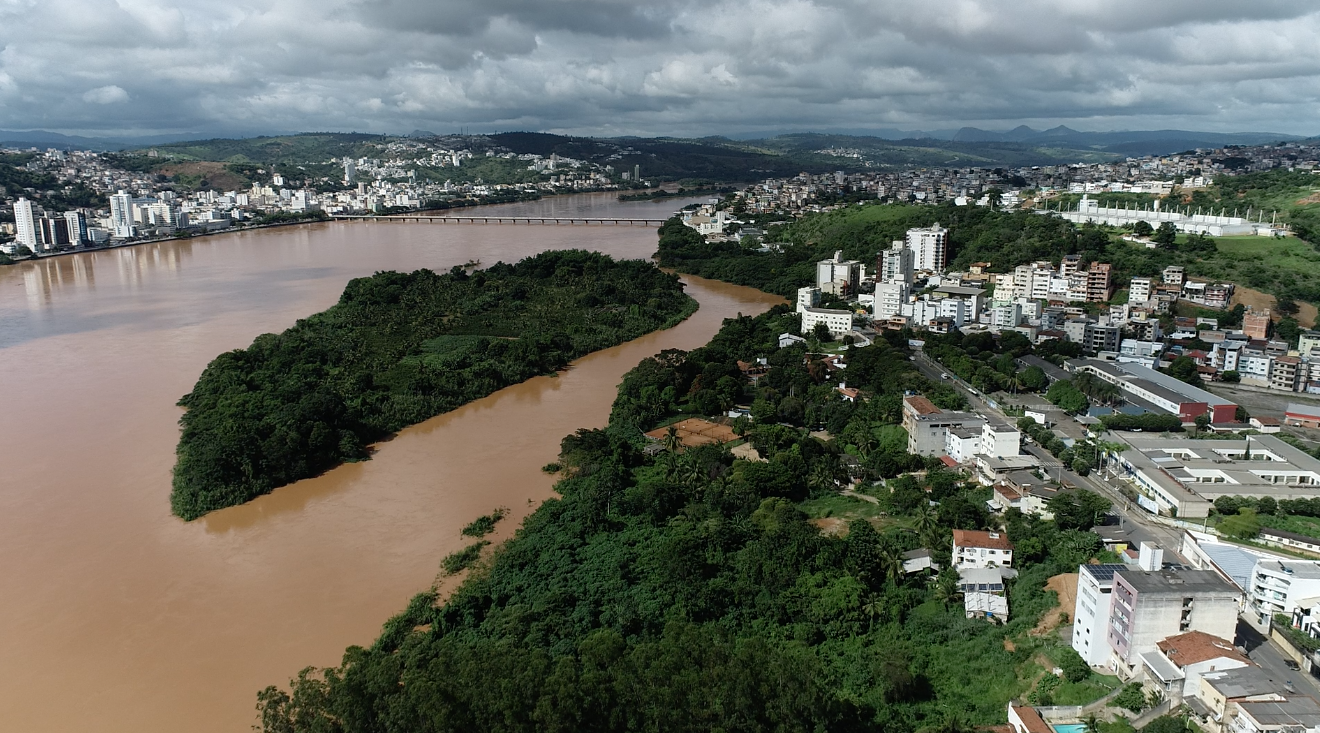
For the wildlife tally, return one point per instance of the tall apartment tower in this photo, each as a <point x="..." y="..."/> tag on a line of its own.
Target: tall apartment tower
<point x="77" y="225"/>
<point x="896" y="264"/>
<point x="25" y="224"/>
<point x="928" y="247"/>
<point x="121" y="214"/>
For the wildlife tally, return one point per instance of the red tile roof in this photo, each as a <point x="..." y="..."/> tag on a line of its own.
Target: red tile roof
<point x="978" y="538"/>
<point x="1198" y="646"/>
<point x="921" y="405"/>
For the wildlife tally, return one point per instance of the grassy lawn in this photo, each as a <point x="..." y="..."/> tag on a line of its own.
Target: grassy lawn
<point x="839" y="506"/>
<point x="1260" y="262"/>
<point x="1309" y="526"/>
<point x="1088" y="690"/>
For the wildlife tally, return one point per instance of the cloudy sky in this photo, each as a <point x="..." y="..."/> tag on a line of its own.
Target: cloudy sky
<point x="658" y="67"/>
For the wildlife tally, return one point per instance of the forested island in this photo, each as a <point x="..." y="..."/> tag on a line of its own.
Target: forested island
<point x="687" y="590"/>
<point x="397" y="349"/>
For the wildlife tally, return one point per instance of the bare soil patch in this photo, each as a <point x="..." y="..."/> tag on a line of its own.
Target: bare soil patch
<point x="1065" y="586"/>
<point x="201" y="175"/>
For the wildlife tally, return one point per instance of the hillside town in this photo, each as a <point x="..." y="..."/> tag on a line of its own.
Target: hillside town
<point x="143" y="206"/>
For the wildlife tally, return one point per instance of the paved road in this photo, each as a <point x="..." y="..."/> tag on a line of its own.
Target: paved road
<point x="1271" y="659"/>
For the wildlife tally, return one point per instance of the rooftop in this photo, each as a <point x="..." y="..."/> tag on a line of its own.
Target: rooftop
<point x="1255" y="465"/>
<point x="1297" y="711"/>
<point x="1242" y="682"/>
<point x="1198" y="646"/>
<point x="1103" y="573"/>
<point x="1176" y="581"/>
<point x="921" y="405"/>
<point x="979" y="538"/>
<point x="1300" y="569"/>
<point x="1297" y="408"/>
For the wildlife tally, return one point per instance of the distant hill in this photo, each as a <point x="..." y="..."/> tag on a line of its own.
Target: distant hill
<point x="46" y="139"/>
<point x="310" y="147"/>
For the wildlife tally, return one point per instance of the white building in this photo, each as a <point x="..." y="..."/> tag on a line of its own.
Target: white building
<point x="1094" y="584"/>
<point x="896" y="264"/>
<point x="77" y="225"/>
<point x="999" y="440"/>
<point x="1280" y="586"/>
<point x="25" y="224"/>
<point x="889" y="298"/>
<point x="121" y="215"/>
<point x="807" y="298"/>
<point x="1139" y="289"/>
<point x="838" y="322"/>
<point x="928" y="246"/>
<point x="838" y="276"/>
<point x="978" y="549"/>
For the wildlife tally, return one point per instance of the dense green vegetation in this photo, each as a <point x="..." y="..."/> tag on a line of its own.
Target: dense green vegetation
<point x="44" y="188"/>
<point x="687" y="590"/>
<point x="485" y="524"/>
<point x="463" y="559"/>
<point x="303" y="148"/>
<point x="397" y="349"/>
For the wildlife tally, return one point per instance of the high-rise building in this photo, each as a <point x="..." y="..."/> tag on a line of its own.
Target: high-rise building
<point x="928" y="247"/>
<point x="54" y="232"/>
<point x="896" y="264"/>
<point x="1097" y="282"/>
<point x="637" y="172"/>
<point x="889" y="298"/>
<point x="121" y="214"/>
<point x="1139" y="289"/>
<point x="77" y="226"/>
<point x="25" y="224"/>
<point x="838" y="276"/>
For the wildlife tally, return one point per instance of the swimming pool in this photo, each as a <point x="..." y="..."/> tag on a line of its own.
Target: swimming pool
<point x="1069" y="728"/>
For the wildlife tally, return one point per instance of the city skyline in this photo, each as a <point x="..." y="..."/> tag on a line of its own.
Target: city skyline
<point x="671" y="68"/>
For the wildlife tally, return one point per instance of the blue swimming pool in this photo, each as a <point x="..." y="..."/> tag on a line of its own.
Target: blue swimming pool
<point x="1069" y="728"/>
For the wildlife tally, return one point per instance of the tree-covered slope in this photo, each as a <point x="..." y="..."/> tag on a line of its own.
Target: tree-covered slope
<point x="690" y="592"/>
<point x="397" y="349"/>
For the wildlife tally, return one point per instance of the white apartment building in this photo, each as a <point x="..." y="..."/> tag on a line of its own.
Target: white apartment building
<point x="896" y="264"/>
<point x="1008" y="315"/>
<point x="889" y="298"/>
<point x="25" y="224"/>
<point x="807" y="298"/>
<point x="121" y="215"/>
<point x="999" y="440"/>
<point x="1094" y="584"/>
<point x="838" y="322"/>
<point x="928" y="247"/>
<point x="1280" y="585"/>
<point x="1139" y="289"/>
<point x="838" y="276"/>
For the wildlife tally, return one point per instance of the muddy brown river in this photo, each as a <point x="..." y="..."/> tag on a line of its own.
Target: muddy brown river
<point x="116" y="616"/>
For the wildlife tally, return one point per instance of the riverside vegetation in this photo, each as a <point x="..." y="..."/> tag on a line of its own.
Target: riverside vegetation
<point x="396" y="349"/>
<point x="690" y="591"/>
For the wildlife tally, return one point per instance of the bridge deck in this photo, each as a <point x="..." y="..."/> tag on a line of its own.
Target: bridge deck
<point x="476" y="219"/>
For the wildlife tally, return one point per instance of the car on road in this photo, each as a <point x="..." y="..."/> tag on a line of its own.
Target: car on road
<point x="1292" y="664"/>
<point x="944" y="376"/>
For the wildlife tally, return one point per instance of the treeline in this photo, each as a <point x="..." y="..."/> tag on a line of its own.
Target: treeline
<point x="685" y="591"/>
<point x="397" y="349"/>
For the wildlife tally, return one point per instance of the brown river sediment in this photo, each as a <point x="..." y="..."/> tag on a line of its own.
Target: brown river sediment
<point x="116" y="616"/>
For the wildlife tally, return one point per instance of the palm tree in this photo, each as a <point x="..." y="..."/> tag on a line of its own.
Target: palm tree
<point x="925" y="520"/>
<point x="1091" y="723"/>
<point x="874" y="606"/>
<point x="671" y="441"/>
<point x="946" y="588"/>
<point x="890" y="563"/>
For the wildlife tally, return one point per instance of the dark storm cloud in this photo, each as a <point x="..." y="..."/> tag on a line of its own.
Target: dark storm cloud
<point x="660" y="67"/>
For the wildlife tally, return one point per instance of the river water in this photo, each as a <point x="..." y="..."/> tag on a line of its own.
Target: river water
<point x="116" y="616"/>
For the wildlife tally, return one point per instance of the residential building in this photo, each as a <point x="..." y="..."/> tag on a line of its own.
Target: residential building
<point x="77" y="226"/>
<point x="999" y="440"/>
<point x="1098" y="286"/>
<point x="1278" y="586"/>
<point x="983" y="592"/>
<point x="1289" y="540"/>
<point x="1091" y="611"/>
<point x="928" y="247"/>
<point x="889" y="299"/>
<point x="838" y="322"/>
<point x="1286" y="373"/>
<point x="895" y="264"/>
<point x="1174" y="275"/>
<point x="1025" y="719"/>
<point x="1097" y="338"/>
<point x="979" y="549"/>
<point x="25" y="224"/>
<point x="928" y="426"/>
<point x="807" y="298"/>
<point x="1176" y="665"/>
<point x="1139" y="289"/>
<point x="961" y="443"/>
<point x="1222" y="689"/>
<point x="1148" y="606"/>
<point x="121" y="215"/>
<point x="838" y="276"/>
<point x="1308" y="343"/>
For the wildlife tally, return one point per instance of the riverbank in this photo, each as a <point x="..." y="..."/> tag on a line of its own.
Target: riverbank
<point x="191" y="618"/>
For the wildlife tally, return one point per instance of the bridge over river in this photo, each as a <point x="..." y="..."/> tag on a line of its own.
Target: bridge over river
<point x="489" y="219"/>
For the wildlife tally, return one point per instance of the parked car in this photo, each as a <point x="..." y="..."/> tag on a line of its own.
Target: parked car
<point x="1291" y="664"/>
